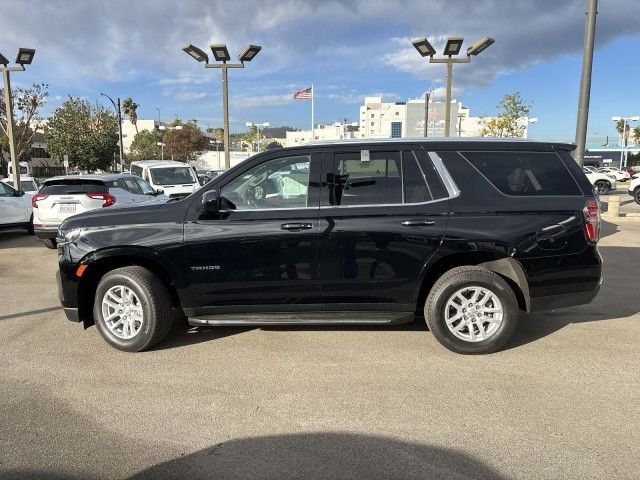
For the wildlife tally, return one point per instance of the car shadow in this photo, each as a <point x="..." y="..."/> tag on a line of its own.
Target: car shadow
<point x="321" y="455"/>
<point x="17" y="238"/>
<point x="613" y="302"/>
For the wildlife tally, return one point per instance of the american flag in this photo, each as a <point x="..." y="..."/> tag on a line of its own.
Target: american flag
<point x="305" y="94"/>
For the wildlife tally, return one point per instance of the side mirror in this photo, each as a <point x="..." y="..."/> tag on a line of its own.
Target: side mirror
<point x="159" y="191"/>
<point x="210" y="203"/>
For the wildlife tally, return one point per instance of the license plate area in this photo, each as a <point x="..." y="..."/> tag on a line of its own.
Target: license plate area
<point x="67" y="208"/>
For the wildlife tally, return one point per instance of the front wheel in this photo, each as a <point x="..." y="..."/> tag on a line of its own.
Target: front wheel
<point x="50" y="243"/>
<point x="471" y="310"/>
<point x="602" y="187"/>
<point x="636" y="195"/>
<point x="131" y="309"/>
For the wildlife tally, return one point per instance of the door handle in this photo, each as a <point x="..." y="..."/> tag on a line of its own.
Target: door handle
<point x="294" y="227"/>
<point x="418" y="223"/>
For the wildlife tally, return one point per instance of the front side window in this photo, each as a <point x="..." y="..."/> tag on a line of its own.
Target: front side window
<point x="525" y="173"/>
<point x="145" y="187"/>
<point x="5" y="190"/>
<point x="277" y="183"/>
<point x="173" y="175"/>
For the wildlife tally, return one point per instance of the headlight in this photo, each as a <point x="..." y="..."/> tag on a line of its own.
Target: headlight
<point x="70" y="236"/>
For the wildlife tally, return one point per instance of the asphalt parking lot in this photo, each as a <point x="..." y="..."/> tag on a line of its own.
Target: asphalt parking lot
<point x="561" y="401"/>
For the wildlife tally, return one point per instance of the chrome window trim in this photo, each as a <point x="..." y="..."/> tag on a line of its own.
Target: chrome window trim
<point x="446" y="177"/>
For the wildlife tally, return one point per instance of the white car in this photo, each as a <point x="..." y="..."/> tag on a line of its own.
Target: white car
<point x="15" y="208"/>
<point x="634" y="189"/>
<point x="62" y="197"/>
<point x="602" y="182"/>
<point x="27" y="184"/>
<point x="620" y="175"/>
<point x="177" y="179"/>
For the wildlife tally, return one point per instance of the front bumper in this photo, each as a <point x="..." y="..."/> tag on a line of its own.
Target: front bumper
<point x="69" y="305"/>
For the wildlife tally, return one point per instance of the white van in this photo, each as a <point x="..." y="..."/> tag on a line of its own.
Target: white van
<point x="22" y="166"/>
<point x="176" y="179"/>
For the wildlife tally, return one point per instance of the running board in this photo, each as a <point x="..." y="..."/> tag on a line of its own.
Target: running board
<point x="306" y="318"/>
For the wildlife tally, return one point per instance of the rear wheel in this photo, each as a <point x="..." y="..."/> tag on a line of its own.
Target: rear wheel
<point x="471" y="310"/>
<point x="50" y="243"/>
<point x="602" y="187"/>
<point x="30" y="225"/>
<point x="132" y="310"/>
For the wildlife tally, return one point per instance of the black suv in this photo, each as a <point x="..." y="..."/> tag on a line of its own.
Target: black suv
<point x="466" y="233"/>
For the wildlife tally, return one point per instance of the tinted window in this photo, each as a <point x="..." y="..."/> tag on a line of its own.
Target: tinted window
<point x="145" y="187"/>
<point x="277" y="183"/>
<point x="415" y="185"/>
<point x="525" y="173"/>
<point x="5" y="190"/>
<point x="136" y="170"/>
<point x="372" y="182"/>
<point x="436" y="186"/>
<point x="73" y="186"/>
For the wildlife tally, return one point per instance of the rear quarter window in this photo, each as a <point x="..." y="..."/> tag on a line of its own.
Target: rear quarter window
<point x="525" y="173"/>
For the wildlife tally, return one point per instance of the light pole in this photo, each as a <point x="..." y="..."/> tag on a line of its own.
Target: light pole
<point x="23" y="57"/>
<point x="257" y="125"/>
<point x="623" y="147"/>
<point x="221" y="54"/>
<point x="117" y="108"/>
<point x="161" y="145"/>
<point x="451" y="48"/>
<point x="585" y="80"/>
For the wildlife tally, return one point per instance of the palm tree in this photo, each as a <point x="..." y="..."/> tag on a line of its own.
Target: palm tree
<point x="131" y="110"/>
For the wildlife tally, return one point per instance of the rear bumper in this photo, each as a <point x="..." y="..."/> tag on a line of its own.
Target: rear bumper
<point x="552" y="302"/>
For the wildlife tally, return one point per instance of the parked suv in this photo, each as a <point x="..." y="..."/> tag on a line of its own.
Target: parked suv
<point x="62" y="197"/>
<point x="467" y="234"/>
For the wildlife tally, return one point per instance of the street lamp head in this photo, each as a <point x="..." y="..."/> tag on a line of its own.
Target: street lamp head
<point x="533" y="120"/>
<point x="249" y="124"/>
<point x="424" y="47"/>
<point x="249" y="52"/>
<point x="3" y="60"/>
<point x="616" y="119"/>
<point x="196" y="53"/>
<point x="220" y="52"/>
<point x="635" y="118"/>
<point x="453" y="46"/>
<point x="25" y="56"/>
<point x="480" y="46"/>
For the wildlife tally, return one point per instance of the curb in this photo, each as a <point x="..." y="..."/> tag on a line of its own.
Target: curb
<point x="628" y="218"/>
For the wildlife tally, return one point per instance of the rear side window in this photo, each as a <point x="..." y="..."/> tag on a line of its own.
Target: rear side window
<point x="525" y="173"/>
<point x="73" y="186"/>
<point x="136" y="170"/>
<point x="373" y="182"/>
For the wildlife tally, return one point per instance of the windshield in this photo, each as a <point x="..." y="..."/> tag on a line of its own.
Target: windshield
<point x="172" y="175"/>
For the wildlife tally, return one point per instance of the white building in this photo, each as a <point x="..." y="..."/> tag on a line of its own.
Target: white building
<point x="129" y="131"/>
<point x="333" y="131"/>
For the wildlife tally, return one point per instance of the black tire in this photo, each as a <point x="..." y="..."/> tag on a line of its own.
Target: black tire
<point x="636" y="195"/>
<point x="30" y="226"/>
<point x="154" y="300"/>
<point x="602" y="187"/>
<point x="459" y="278"/>
<point x="50" y="243"/>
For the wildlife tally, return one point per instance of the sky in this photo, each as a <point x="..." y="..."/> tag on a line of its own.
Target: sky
<point x="347" y="49"/>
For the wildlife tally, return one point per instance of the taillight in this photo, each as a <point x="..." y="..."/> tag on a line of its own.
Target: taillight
<point x="592" y="219"/>
<point x="107" y="197"/>
<point x="36" y="198"/>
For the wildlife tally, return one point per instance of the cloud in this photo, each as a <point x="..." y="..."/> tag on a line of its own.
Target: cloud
<point x="189" y="96"/>
<point x="253" y="101"/>
<point x="183" y="79"/>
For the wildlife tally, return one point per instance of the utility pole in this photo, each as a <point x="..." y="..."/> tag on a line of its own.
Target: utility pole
<point x="585" y="82"/>
<point x="117" y="107"/>
<point x="12" y="141"/>
<point x="427" y="96"/>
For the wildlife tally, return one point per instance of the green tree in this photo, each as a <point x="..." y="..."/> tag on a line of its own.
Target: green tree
<point x="131" y="110"/>
<point x="87" y="134"/>
<point x="511" y="119"/>
<point x="636" y="135"/>
<point x="184" y="142"/>
<point x="27" y="103"/>
<point x="145" y="145"/>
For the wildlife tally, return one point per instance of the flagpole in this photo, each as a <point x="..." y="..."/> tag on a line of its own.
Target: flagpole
<point x="313" y="125"/>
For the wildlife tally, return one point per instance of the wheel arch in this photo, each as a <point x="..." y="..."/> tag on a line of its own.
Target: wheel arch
<point x="103" y="261"/>
<point x="507" y="267"/>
